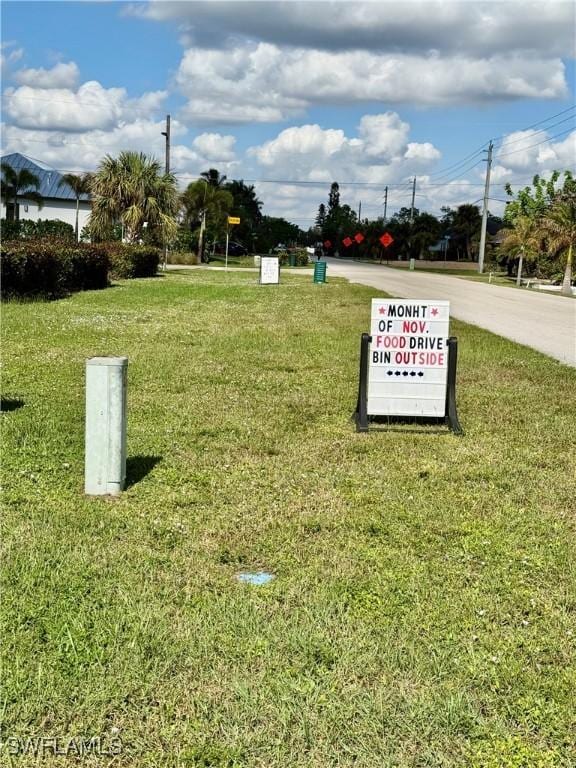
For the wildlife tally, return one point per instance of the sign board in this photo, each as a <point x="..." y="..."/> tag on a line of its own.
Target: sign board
<point x="233" y="220"/>
<point x="269" y="270"/>
<point x="347" y="241"/>
<point x="386" y="239"/>
<point x="359" y="237"/>
<point x="408" y="360"/>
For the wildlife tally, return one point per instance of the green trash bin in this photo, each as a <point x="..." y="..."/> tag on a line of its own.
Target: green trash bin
<point x="292" y="259"/>
<point x="320" y="272"/>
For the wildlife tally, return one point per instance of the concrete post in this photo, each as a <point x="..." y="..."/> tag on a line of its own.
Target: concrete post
<point x="105" y="461"/>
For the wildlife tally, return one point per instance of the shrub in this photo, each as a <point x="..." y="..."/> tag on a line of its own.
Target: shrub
<point x="128" y="261"/>
<point x="50" y="268"/>
<point x="301" y="255"/>
<point x="27" y="229"/>
<point x="182" y="257"/>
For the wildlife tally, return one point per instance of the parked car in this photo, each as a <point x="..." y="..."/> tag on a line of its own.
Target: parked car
<point x="234" y="248"/>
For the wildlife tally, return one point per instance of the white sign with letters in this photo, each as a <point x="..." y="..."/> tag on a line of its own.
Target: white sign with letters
<point x="269" y="270"/>
<point x="408" y="360"/>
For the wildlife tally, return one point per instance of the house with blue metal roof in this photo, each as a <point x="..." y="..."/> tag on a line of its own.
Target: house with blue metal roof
<point x="59" y="200"/>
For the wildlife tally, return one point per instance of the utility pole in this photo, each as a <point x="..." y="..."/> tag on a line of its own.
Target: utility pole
<point x="413" y="197"/>
<point x="385" y="203"/>
<point x="485" y="211"/>
<point x="359" y="211"/>
<point x="167" y="134"/>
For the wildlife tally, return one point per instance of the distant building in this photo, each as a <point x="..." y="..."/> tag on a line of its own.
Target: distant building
<point x="59" y="201"/>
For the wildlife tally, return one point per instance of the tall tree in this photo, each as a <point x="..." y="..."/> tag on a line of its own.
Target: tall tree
<point x="213" y="177"/>
<point x="536" y="200"/>
<point x="132" y="190"/>
<point x="465" y="223"/>
<point x="321" y="217"/>
<point x="559" y="226"/>
<point x="19" y="183"/>
<point x="80" y="185"/>
<point x="208" y="206"/>
<point x="426" y="231"/>
<point x="274" y="230"/>
<point x="334" y="197"/>
<point x="247" y="207"/>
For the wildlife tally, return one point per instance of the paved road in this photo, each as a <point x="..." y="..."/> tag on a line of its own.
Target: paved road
<point x="543" y="322"/>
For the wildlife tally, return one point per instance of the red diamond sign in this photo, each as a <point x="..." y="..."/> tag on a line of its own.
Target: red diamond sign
<point x="347" y="242"/>
<point x="386" y="239"/>
<point x="359" y="237"/>
<point x="327" y="243"/>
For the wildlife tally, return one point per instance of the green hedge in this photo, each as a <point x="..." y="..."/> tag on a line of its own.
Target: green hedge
<point x="32" y="230"/>
<point x="127" y="261"/>
<point x="51" y="268"/>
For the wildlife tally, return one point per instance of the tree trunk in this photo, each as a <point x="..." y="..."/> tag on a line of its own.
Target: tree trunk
<point x="77" y="209"/>
<point x="519" y="275"/>
<point x="201" y="238"/>
<point x="567" y="282"/>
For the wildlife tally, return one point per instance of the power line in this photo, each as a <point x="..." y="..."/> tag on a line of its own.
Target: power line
<point x="545" y="141"/>
<point x="545" y="120"/>
<point x="542" y="130"/>
<point x="450" y="168"/>
<point x="460" y="173"/>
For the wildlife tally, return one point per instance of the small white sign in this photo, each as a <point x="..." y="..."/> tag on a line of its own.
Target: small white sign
<point x="269" y="270"/>
<point x="408" y="360"/>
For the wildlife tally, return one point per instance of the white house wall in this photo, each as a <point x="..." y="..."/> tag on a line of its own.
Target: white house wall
<point x="64" y="210"/>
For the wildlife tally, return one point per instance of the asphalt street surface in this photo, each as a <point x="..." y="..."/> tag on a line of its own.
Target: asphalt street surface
<point x="541" y="321"/>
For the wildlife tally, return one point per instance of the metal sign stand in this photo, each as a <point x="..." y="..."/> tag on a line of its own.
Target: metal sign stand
<point x="450" y="418"/>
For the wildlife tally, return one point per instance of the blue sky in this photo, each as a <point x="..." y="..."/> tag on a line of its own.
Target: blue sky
<point x="367" y="94"/>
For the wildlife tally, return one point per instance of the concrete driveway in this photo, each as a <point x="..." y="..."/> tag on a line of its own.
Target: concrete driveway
<point x="543" y="322"/>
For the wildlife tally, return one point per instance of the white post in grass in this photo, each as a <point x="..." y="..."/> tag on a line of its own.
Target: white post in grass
<point x="105" y="458"/>
<point x="227" y="238"/>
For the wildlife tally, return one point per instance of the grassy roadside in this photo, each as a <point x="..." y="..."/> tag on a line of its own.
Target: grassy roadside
<point x="246" y="261"/>
<point x="423" y="608"/>
<point x="489" y="276"/>
<point x="494" y="277"/>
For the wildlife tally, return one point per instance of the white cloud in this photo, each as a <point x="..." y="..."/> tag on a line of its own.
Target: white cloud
<point x="215" y="147"/>
<point x="9" y="57"/>
<point x="77" y="152"/>
<point x="234" y="85"/>
<point x="265" y="83"/>
<point x="378" y="155"/>
<point x="60" y="76"/>
<point x="90" y="107"/>
<point x="380" y="152"/>
<point x="424" y="152"/>
<point x="531" y="150"/>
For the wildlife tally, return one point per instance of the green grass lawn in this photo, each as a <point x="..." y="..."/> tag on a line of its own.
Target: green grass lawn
<point x="423" y="608"/>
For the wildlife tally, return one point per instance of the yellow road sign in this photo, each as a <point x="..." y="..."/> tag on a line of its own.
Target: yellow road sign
<point x="233" y="220"/>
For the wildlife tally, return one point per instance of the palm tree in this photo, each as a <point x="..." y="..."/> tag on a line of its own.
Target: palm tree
<point x="523" y="240"/>
<point x="208" y="204"/>
<point x="247" y="206"/>
<point x="80" y="185"/>
<point x="19" y="183"/>
<point x="213" y="178"/>
<point x="132" y="190"/>
<point x="559" y="226"/>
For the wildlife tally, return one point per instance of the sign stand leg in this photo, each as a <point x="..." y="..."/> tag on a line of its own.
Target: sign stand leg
<point x="361" y="415"/>
<point x="451" y="412"/>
